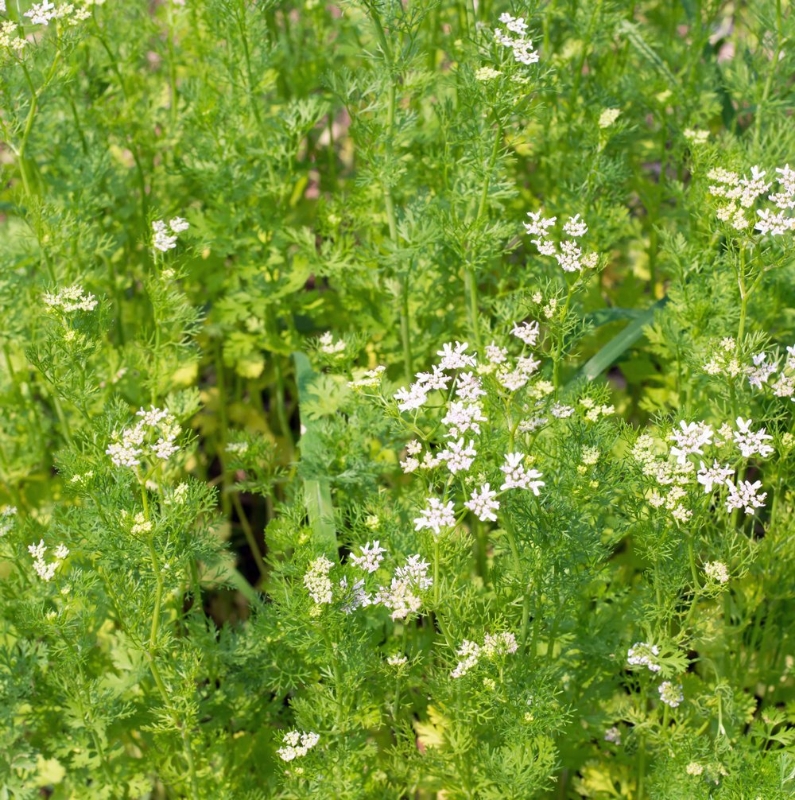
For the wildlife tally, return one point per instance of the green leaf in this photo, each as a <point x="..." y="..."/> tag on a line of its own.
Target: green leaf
<point x="618" y="345"/>
<point x="317" y="491"/>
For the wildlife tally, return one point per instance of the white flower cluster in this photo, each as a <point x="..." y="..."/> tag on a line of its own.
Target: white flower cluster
<point x="568" y="253"/>
<point x="522" y="47"/>
<point x="7" y="514"/>
<point x="484" y="504"/>
<point x="436" y="516"/>
<point x="163" y="240"/>
<point x="741" y="194"/>
<point x="608" y="117"/>
<point x="745" y="495"/>
<point x="151" y="437"/>
<point x="327" y="345"/>
<point x="690" y="439"/>
<point x="486" y="74"/>
<point x="671" y="694"/>
<point x="494" y="645"/>
<point x="400" y="598"/>
<point x="73" y="298"/>
<point x="716" y="571"/>
<point x="44" y="570"/>
<point x="518" y="477"/>
<point x="369" y="380"/>
<point x="750" y="442"/>
<point x="370" y="558"/>
<point x="724" y="361"/>
<point x="613" y="735"/>
<point x="43" y="13"/>
<point x="761" y="372"/>
<point x="642" y="654"/>
<point x="297" y="745"/>
<point x="317" y="581"/>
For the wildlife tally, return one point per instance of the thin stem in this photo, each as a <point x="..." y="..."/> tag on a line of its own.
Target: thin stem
<point x="770" y="73"/>
<point x="517" y="563"/>
<point x="249" y="533"/>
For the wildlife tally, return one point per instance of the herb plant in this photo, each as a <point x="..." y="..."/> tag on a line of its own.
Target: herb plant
<point x="396" y="399"/>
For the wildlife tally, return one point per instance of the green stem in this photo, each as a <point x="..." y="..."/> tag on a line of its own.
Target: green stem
<point x="249" y="533"/>
<point x="770" y="73"/>
<point x="517" y="564"/>
<point x="151" y="652"/>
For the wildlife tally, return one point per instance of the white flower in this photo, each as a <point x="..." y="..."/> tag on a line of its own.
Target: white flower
<point x="469" y="387"/>
<point x="642" y="654"/>
<point x="462" y="417"/>
<point x="499" y="644"/>
<point x="517" y="477"/>
<point x="608" y="117"/>
<point x="326" y="344"/>
<point x="527" y="332"/>
<point x="752" y="187"/>
<point x="73" y="298"/>
<point x="496" y="355"/>
<point x="469" y="654"/>
<point x="750" y="443"/>
<point x="433" y="380"/>
<point x="694" y="768"/>
<point x="436" y="516"/>
<point x="317" y="581"/>
<point x="527" y="365"/>
<point x="613" y="735"/>
<point x="42" y="13"/>
<point x="152" y="436"/>
<point x="570" y="256"/>
<point x="162" y="240"/>
<point x="692" y="437"/>
<point x="545" y="247"/>
<point x="459" y="457"/>
<point x="538" y="225"/>
<point x="561" y="411"/>
<point x="355" y="597"/>
<point x="716" y="571"/>
<point x="696" y="137"/>
<point x="760" y="373"/>
<point x="744" y="495"/>
<point x="575" y="227"/>
<point x="671" y="694"/>
<point x="178" y="225"/>
<point x="486" y="74"/>
<point x="370" y="379"/>
<point x="531" y="424"/>
<point x="400" y="597"/>
<point x="590" y="455"/>
<point x="454" y="357"/>
<point x="370" y="558"/>
<point x="716" y="475"/>
<point x="483" y="504"/>
<point x="44" y="570"/>
<point x="412" y="398"/>
<point x="513" y="380"/>
<point x="7" y="514"/>
<point x="772" y="223"/>
<point x="297" y="745"/>
<point x="396" y="660"/>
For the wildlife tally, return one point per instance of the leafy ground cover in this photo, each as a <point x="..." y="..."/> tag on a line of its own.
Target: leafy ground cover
<point x="396" y="399"/>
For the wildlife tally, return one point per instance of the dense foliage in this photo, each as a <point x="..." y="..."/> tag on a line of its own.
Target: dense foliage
<point x="396" y="399"/>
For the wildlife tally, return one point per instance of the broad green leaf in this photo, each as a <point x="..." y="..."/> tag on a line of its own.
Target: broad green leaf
<point x="619" y="344"/>
<point x="317" y="491"/>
